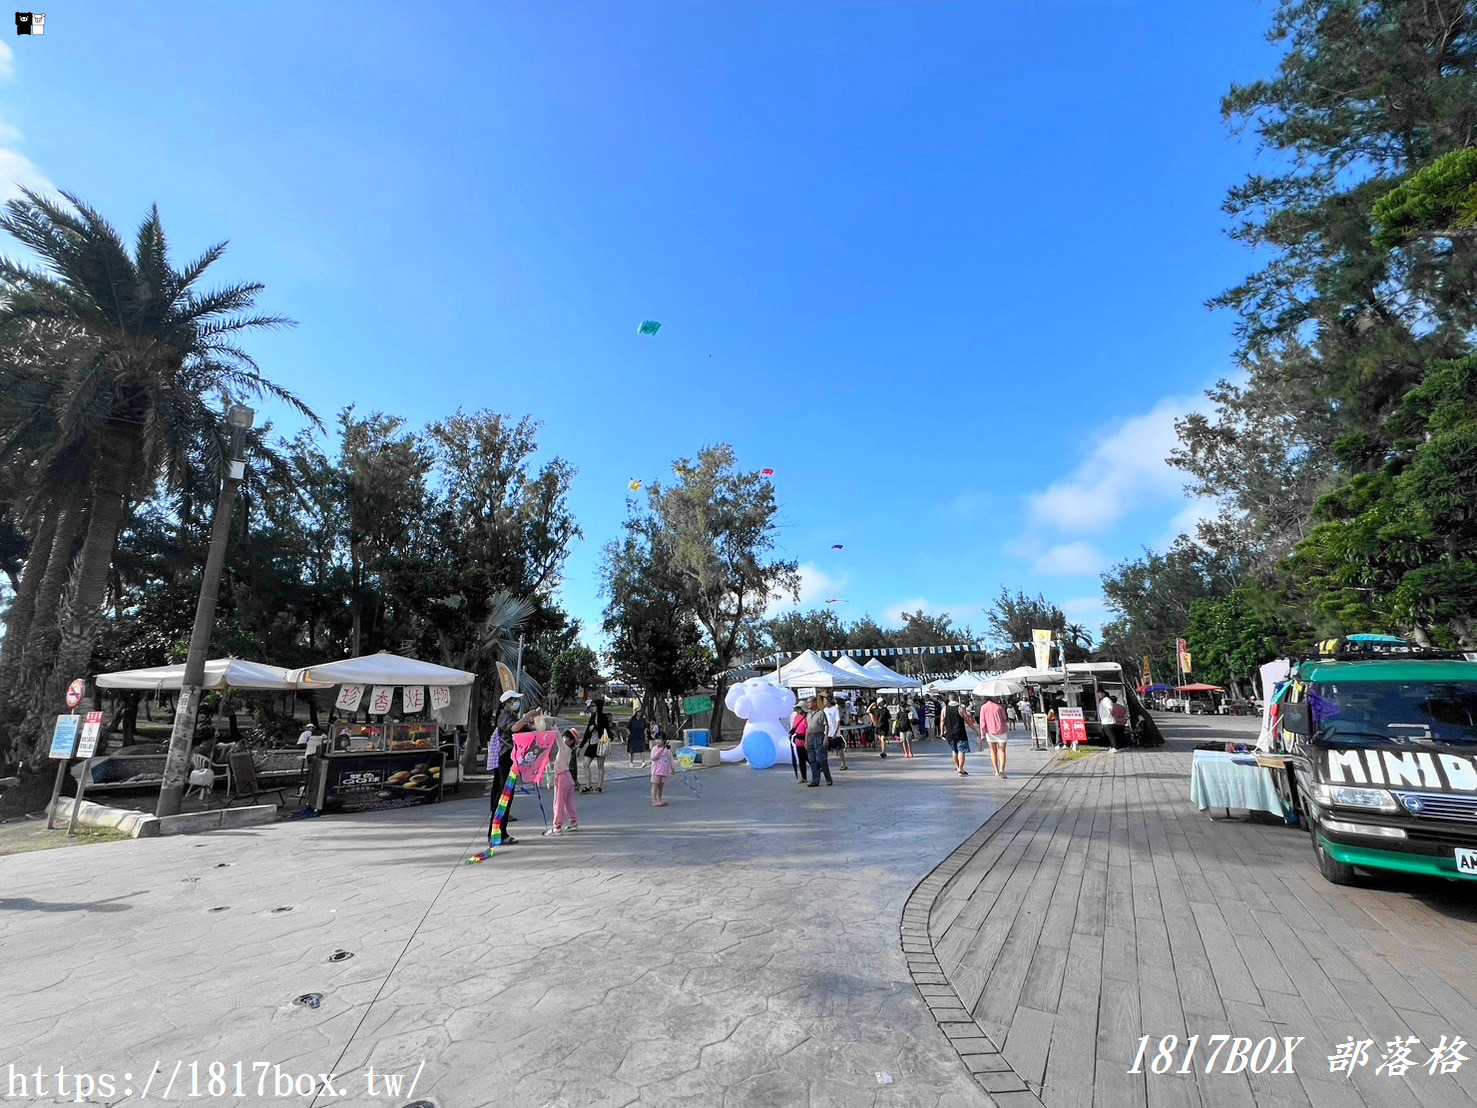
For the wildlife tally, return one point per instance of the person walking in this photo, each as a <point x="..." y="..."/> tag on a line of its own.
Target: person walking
<point x="815" y="747"/>
<point x="1120" y="723"/>
<point x="954" y="726"/>
<point x="1028" y="720"/>
<point x="597" y="746"/>
<point x="566" y="755"/>
<point x="902" y="727"/>
<point x="996" y="729"/>
<point x="636" y="744"/>
<point x="798" y="723"/>
<point x="500" y="753"/>
<point x="883" y="717"/>
<point x="661" y="769"/>
<point x="920" y="718"/>
<point x="834" y="741"/>
<point x="1105" y="718"/>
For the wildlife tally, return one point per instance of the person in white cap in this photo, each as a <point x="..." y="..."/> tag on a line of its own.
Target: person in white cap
<point x="500" y="751"/>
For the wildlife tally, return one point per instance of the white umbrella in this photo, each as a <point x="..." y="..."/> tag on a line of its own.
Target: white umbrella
<point x="997" y="686"/>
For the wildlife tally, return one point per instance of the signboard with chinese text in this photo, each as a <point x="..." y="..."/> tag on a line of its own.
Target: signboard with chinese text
<point x="1073" y="725"/>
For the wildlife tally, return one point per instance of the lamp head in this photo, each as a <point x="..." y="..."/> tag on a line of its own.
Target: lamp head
<point x="239" y="415"/>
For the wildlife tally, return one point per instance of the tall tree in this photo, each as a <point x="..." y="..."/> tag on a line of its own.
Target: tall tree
<point x="715" y="526"/>
<point x="143" y="363"/>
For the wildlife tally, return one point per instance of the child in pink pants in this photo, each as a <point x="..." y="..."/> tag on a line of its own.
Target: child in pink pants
<point x="564" y="810"/>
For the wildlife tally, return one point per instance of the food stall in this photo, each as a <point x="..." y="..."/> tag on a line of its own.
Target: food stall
<point x="386" y="762"/>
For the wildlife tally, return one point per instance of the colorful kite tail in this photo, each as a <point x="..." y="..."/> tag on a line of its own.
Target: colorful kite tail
<point x="499" y="819"/>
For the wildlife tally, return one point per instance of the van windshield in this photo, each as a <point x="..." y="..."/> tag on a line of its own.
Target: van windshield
<point x="1351" y="712"/>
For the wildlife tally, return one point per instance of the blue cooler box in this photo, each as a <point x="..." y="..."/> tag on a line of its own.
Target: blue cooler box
<point x="695" y="736"/>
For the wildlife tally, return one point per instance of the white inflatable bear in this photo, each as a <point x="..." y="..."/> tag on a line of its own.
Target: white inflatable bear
<point x="765" y="707"/>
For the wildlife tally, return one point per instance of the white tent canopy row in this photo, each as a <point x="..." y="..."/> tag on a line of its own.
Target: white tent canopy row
<point x="965" y="682"/>
<point x="383" y="668"/>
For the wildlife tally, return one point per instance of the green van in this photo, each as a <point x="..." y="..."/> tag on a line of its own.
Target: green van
<point x="1380" y="746"/>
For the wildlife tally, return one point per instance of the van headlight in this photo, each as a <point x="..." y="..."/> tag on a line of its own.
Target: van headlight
<point x="1351" y="796"/>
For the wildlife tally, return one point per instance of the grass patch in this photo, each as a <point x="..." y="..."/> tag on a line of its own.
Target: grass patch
<point x="100" y="835"/>
<point x="1077" y="755"/>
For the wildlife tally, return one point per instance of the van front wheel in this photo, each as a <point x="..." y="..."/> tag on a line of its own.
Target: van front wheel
<point x="1334" y="871"/>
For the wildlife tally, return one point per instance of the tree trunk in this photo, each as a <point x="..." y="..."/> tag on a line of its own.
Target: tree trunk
<point x="82" y="618"/>
<point x="715" y="721"/>
<point x="39" y="647"/>
<point x="23" y="607"/>
<point x="474" y="729"/>
<point x="131" y="702"/>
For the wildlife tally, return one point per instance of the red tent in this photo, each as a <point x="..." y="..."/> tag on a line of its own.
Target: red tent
<point x="1199" y="688"/>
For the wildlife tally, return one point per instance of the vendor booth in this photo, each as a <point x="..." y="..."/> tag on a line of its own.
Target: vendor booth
<point x="899" y="682"/>
<point x="386" y="762"/>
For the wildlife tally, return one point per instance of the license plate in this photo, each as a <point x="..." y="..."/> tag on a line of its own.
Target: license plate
<point x="1466" y="861"/>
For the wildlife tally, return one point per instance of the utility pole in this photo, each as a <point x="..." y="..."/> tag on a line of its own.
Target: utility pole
<point x="187" y="710"/>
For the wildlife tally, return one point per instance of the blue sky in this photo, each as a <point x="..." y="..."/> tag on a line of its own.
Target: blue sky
<point x="942" y="266"/>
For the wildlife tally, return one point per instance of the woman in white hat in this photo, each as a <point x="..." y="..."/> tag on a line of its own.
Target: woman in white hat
<point x="500" y="751"/>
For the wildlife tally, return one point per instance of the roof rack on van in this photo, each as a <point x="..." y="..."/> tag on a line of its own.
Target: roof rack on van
<point x="1365" y="648"/>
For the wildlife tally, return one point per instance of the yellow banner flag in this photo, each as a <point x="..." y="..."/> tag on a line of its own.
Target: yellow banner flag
<point x="505" y="675"/>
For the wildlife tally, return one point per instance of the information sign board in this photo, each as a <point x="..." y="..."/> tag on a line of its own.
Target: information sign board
<point x="92" y="727"/>
<point x="64" y="736"/>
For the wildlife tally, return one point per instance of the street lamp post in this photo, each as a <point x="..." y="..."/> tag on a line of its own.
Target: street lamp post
<point x="177" y="762"/>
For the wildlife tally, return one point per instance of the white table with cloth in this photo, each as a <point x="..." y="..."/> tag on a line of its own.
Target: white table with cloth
<point x="1221" y="780"/>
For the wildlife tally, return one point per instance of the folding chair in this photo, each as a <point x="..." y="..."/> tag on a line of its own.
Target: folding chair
<point x="244" y="779"/>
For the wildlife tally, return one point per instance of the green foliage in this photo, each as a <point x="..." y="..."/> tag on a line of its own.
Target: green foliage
<point x="1231" y="637"/>
<point x="817" y="629"/>
<point x="577" y="668"/>
<point x="1437" y="200"/>
<point x="1398" y="548"/>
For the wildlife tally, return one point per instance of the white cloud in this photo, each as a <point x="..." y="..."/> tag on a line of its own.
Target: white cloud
<point x="1090" y="611"/>
<point x="816" y="587"/>
<point x="968" y="613"/>
<point x="1122" y="472"/>
<point x="1069" y="558"/>
<point x="16" y="169"/>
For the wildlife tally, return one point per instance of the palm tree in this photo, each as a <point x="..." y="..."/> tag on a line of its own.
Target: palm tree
<point x="145" y="365"/>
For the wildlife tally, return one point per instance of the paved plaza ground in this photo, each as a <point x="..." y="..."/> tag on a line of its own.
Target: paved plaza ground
<point x="755" y="943"/>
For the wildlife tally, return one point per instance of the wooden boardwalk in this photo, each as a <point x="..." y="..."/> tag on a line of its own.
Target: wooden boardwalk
<point x="1100" y="905"/>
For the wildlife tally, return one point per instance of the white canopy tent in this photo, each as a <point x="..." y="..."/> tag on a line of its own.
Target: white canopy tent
<point x="811" y="671"/>
<point x="965" y="682"/>
<point x="385" y="668"/>
<point x="864" y="679"/>
<point x="220" y="673"/>
<point x="898" y="680"/>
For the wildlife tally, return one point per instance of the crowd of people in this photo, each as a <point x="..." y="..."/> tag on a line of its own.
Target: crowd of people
<point x="819" y="727"/>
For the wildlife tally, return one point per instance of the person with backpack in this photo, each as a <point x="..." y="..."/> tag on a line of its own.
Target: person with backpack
<point x="882" y="720"/>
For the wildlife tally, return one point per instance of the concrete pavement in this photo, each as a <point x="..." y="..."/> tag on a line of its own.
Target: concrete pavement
<point x="739" y="947"/>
